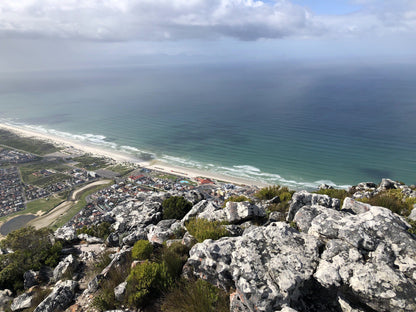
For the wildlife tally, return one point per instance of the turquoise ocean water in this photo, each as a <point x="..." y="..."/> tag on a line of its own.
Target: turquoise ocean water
<point x="292" y="124"/>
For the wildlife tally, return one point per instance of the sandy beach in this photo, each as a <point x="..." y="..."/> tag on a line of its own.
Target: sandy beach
<point x="76" y="146"/>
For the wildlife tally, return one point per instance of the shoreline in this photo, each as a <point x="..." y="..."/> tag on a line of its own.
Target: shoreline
<point x="120" y="157"/>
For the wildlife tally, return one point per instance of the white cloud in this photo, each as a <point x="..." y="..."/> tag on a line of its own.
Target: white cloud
<point x="122" y="20"/>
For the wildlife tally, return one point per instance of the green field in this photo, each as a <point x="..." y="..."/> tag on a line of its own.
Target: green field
<point x="30" y="145"/>
<point x="90" y="162"/>
<point x="35" y="206"/>
<point x="27" y="171"/>
<point x="120" y="169"/>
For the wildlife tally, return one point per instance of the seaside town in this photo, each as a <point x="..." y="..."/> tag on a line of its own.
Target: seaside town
<point x="27" y="179"/>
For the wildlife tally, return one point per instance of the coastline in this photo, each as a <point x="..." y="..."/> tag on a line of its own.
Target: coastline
<point x="120" y="157"/>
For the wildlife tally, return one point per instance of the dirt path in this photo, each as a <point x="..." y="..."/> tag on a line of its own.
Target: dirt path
<point x="76" y="192"/>
<point x="60" y="210"/>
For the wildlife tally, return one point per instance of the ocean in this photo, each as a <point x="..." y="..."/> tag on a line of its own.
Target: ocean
<point x="285" y="123"/>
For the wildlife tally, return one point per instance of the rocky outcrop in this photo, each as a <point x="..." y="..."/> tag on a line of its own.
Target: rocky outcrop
<point x="161" y="232"/>
<point x="243" y="211"/>
<point x="66" y="233"/>
<point x="266" y="265"/>
<point x="66" y="266"/>
<point x="5" y="297"/>
<point x="21" y="302"/>
<point x="304" y="198"/>
<point x="360" y="258"/>
<point x="60" y="298"/>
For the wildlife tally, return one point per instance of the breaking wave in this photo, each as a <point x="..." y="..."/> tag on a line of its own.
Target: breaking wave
<point x="240" y="171"/>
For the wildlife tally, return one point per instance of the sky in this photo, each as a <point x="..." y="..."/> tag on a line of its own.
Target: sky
<point x="53" y="34"/>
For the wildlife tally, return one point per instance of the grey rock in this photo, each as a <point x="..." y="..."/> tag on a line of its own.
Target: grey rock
<point x="304" y="198"/>
<point x="324" y="186"/>
<point x="412" y="215"/>
<point x="69" y="264"/>
<point x="21" y="302"/>
<point x="243" y="211"/>
<point x="90" y="239"/>
<point x="30" y="279"/>
<point x="5" y="297"/>
<point x="274" y="200"/>
<point x="369" y="253"/>
<point x="66" y="233"/>
<point x="113" y="240"/>
<point x="234" y="230"/>
<point x="355" y="206"/>
<point x="188" y="240"/>
<point x="134" y="235"/>
<point x="266" y="273"/>
<point x="158" y="234"/>
<point x="120" y="291"/>
<point x="275" y="216"/>
<point x="387" y="184"/>
<point x="60" y="298"/>
<point x="205" y="210"/>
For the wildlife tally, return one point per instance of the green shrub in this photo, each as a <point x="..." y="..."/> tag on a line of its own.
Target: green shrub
<point x="175" y="207"/>
<point x="203" y="229"/>
<point x="146" y="281"/>
<point x="412" y="229"/>
<point x="196" y="296"/>
<point x="270" y="192"/>
<point x="101" y="230"/>
<point x="142" y="250"/>
<point x="236" y="199"/>
<point x="105" y="299"/>
<point x="32" y="249"/>
<point x="393" y="200"/>
<point x="174" y="258"/>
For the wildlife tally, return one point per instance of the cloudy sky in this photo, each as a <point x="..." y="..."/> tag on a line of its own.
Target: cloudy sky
<point x="77" y="33"/>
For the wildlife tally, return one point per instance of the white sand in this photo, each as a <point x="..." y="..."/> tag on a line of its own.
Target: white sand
<point x="73" y="145"/>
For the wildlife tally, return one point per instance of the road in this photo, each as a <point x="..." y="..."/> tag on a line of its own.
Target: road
<point x="60" y="210"/>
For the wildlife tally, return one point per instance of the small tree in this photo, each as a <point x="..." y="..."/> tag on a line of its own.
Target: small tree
<point x="175" y="207"/>
<point x="142" y="250"/>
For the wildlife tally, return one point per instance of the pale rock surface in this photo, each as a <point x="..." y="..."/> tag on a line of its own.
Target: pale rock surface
<point x="60" y="297"/>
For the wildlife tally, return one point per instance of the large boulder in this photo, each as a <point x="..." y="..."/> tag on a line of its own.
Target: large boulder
<point x="266" y="265"/>
<point x="5" y="297"/>
<point x="369" y="255"/>
<point x="21" y="302"/>
<point x="360" y="258"/>
<point x="304" y="198"/>
<point x="205" y="210"/>
<point x="67" y="265"/>
<point x="243" y="211"/>
<point x="30" y="279"/>
<point x="60" y="298"/>
<point x="66" y="233"/>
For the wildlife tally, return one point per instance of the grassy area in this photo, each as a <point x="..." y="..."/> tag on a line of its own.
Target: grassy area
<point x="81" y="203"/>
<point x="90" y="162"/>
<point x="120" y="169"/>
<point x="35" y="206"/>
<point x="168" y="177"/>
<point x="28" y="177"/>
<point x="30" y="145"/>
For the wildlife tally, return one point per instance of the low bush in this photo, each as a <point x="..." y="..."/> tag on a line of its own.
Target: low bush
<point x="236" y="199"/>
<point x="105" y="299"/>
<point x="196" y="296"/>
<point x="146" y="281"/>
<point x="101" y="230"/>
<point x="393" y="200"/>
<point x="175" y="207"/>
<point x="142" y="250"/>
<point x="270" y="192"/>
<point x="203" y="229"/>
<point x="174" y="258"/>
